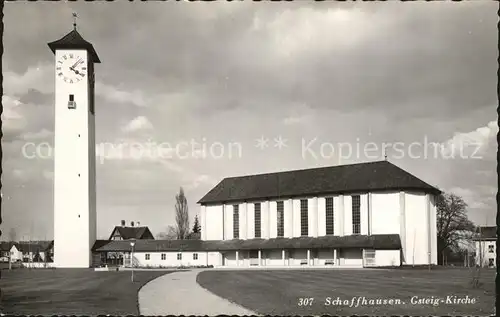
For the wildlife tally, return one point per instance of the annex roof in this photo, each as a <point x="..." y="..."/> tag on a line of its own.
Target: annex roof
<point x="383" y="241"/>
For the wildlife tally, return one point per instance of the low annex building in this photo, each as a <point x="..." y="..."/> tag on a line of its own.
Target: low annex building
<point x="367" y="214"/>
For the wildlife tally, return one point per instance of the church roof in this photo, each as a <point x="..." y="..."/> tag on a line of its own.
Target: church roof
<point x="73" y="40"/>
<point x="343" y="179"/>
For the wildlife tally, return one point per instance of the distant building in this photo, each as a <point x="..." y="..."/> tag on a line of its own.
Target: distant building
<point x="485" y="244"/>
<point x="359" y="215"/>
<point x="9" y="250"/>
<point x="36" y="251"/>
<point x="130" y="232"/>
<point x="123" y="233"/>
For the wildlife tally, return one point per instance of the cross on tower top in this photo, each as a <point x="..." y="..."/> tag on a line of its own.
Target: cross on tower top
<point x="74" y="20"/>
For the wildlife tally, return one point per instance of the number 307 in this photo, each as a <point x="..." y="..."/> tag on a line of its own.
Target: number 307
<point x="305" y="301"/>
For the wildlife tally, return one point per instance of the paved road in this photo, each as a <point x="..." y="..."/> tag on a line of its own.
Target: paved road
<point x="179" y="294"/>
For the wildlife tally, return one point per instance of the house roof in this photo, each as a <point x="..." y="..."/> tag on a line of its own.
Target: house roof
<point x="6" y="245"/>
<point x="487" y="233"/>
<point x="371" y="176"/>
<point x="98" y="244"/>
<point x="388" y="242"/>
<point x="73" y="40"/>
<point x="130" y="232"/>
<point x="34" y="246"/>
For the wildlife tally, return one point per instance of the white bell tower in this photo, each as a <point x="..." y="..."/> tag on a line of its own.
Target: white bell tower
<point x="74" y="151"/>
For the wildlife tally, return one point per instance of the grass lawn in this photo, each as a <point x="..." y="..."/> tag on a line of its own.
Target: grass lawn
<point x="71" y="291"/>
<point x="278" y="292"/>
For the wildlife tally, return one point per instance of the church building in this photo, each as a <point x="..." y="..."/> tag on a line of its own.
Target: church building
<point x="358" y="215"/>
<point x="368" y="214"/>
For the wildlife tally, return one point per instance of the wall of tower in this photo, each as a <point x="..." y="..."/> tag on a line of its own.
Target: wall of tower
<point x="74" y="172"/>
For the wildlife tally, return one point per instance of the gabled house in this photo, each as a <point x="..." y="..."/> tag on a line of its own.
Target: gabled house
<point x="119" y="233"/>
<point x="131" y="232"/>
<point x="9" y="250"/>
<point x="485" y="244"/>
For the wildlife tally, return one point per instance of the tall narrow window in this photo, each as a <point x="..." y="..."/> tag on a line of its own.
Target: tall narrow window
<point x="356" y="214"/>
<point x="280" y="215"/>
<point x="329" y="216"/>
<point x="236" y="222"/>
<point x="304" y="218"/>
<point x="257" y="220"/>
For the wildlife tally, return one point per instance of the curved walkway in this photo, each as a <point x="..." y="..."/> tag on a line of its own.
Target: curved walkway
<point x="179" y="294"/>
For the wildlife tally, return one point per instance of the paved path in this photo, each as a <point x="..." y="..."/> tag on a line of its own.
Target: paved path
<point x="179" y="294"/>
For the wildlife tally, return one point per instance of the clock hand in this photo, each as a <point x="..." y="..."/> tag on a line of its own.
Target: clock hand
<point x="74" y="70"/>
<point x="77" y="62"/>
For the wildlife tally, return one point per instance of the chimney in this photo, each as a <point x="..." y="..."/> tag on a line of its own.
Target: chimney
<point x="123" y="223"/>
<point x="131" y="223"/>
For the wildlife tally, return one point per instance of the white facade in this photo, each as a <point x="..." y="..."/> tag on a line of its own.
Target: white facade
<point x="173" y="259"/>
<point x="15" y="254"/>
<point x="412" y="215"/>
<point x="486" y="253"/>
<point x="74" y="167"/>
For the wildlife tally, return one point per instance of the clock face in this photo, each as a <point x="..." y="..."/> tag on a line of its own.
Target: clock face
<point x="71" y="68"/>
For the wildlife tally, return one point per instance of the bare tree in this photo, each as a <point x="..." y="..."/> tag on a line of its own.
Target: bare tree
<point x="170" y="234"/>
<point x="453" y="225"/>
<point x="181" y="215"/>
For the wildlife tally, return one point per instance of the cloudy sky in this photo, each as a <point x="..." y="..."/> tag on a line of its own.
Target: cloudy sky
<point x="317" y="75"/>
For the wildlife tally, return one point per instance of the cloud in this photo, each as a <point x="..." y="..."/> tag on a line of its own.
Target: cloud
<point x="300" y="115"/>
<point x="473" y="142"/>
<point x="13" y="122"/>
<point x="35" y="76"/>
<point x="11" y="115"/>
<point x="300" y="32"/>
<point x="119" y="95"/>
<point x="48" y="175"/>
<point x="137" y="124"/>
<point x="20" y="174"/>
<point x="40" y="135"/>
<point x="200" y="181"/>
